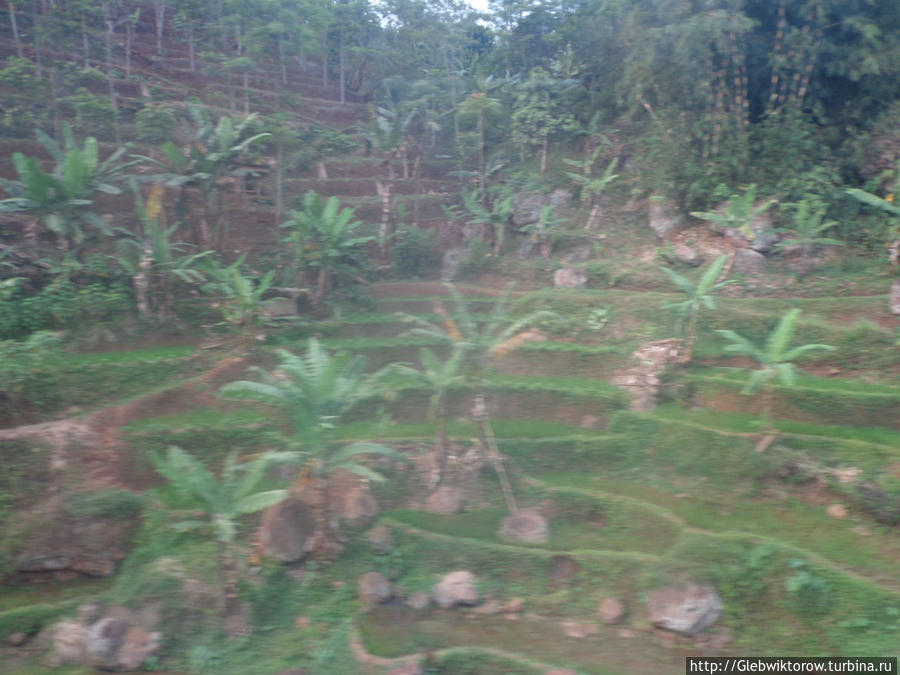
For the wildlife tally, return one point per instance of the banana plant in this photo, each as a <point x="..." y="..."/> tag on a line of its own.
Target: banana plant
<point x="888" y="206"/>
<point x="807" y="229"/>
<point x="697" y="297"/>
<point x="496" y="218"/>
<point x="740" y="212"/>
<point x="215" y="504"/>
<point x="315" y="391"/>
<point x="322" y="234"/>
<point x="593" y="186"/>
<point x="215" y="153"/>
<point x="62" y="198"/>
<point x="153" y="260"/>
<point x="775" y="359"/>
<point x="241" y="303"/>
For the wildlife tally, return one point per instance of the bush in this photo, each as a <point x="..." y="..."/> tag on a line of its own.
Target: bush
<point x="415" y="253"/>
<point x="155" y="124"/>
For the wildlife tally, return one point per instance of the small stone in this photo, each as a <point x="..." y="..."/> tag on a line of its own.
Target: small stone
<point x="838" y="511"/>
<point x="626" y="633"/>
<point x="563" y="568"/>
<point x="418" y="600"/>
<point x="489" y="607"/>
<point x="511" y="616"/>
<point x="687" y="608"/>
<point x="687" y="255"/>
<point x="302" y="622"/>
<point x="445" y="501"/>
<point x="573" y="629"/>
<point x="455" y="588"/>
<point x="373" y="588"/>
<point x="528" y="527"/>
<point x="570" y="278"/>
<point x="611" y="611"/>
<point x="380" y="538"/>
<point x="514" y="606"/>
<point x="17" y="639"/>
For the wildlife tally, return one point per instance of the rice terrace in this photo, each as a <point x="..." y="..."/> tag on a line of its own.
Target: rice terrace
<point x="406" y="337"/>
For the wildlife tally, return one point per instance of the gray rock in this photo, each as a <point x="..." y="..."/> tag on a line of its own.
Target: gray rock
<point x="138" y="645"/>
<point x="287" y="530"/>
<point x="567" y="277"/>
<point x="688" y="256"/>
<point x="455" y="588"/>
<point x="749" y="262"/>
<point x="445" y="501"/>
<point x="664" y="217"/>
<point x="373" y="588"/>
<point x="527" y="205"/>
<point x="526" y="526"/>
<point x="563" y="568"/>
<point x="895" y="297"/>
<point x="686" y="609"/>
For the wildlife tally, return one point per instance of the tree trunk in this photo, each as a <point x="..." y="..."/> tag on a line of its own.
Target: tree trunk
<point x="385" y="229"/>
<point x="192" y="52"/>
<point x="110" y="29"/>
<point x="141" y="282"/>
<point x="246" y="93"/>
<point x="480" y="415"/>
<point x="545" y="146"/>
<point x="279" y="182"/>
<point x="159" y="10"/>
<point x="15" y="27"/>
<point x="341" y="68"/>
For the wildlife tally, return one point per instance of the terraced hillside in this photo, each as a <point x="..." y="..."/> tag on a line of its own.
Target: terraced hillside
<point x="799" y="541"/>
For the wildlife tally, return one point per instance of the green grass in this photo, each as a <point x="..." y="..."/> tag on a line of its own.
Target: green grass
<point x="132" y="356"/>
<point x="199" y="418"/>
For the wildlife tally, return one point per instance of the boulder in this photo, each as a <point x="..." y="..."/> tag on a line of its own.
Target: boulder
<point x="838" y="511"/>
<point x="455" y="588"/>
<point x="664" y="217"/>
<point x="114" y="642"/>
<point x="895" y="298"/>
<point x="529" y="527"/>
<point x="445" y="501"/>
<point x="686" y="255"/>
<point x="749" y="262"/>
<point x="373" y="588"/>
<point x="686" y="609"/>
<point x="287" y="530"/>
<point x="611" y="611"/>
<point x="568" y="277"/>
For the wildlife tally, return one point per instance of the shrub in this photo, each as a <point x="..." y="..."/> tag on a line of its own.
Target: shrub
<point x="155" y="124"/>
<point x="415" y="253"/>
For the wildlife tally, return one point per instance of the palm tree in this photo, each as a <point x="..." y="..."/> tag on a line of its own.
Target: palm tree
<point x="315" y="391"/>
<point x="698" y="296"/>
<point x="480" y="104"/>
<point x="775" y="360"/>
<point x="496" y="218"/>
<point x="217" y="503"/>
